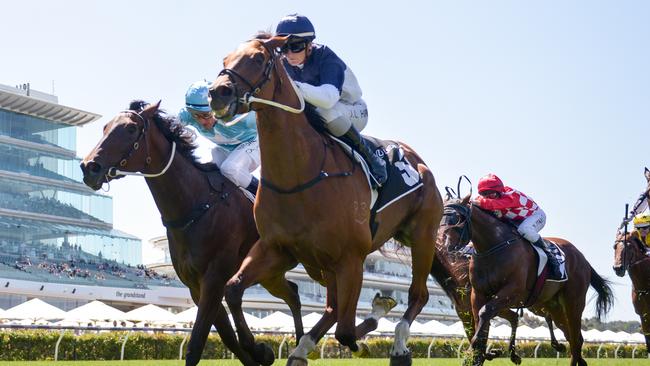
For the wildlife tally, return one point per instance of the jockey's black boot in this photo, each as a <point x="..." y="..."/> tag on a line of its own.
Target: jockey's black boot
<point x="252" y="186"/>
<point x="554" y="265"/>
<point x="377" y="164"/>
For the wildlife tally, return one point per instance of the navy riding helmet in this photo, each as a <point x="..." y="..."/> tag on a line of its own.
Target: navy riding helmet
<point x="296" y="25"/>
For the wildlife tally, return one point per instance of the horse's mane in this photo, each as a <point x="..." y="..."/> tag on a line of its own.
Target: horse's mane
<point x="174" y="131"/>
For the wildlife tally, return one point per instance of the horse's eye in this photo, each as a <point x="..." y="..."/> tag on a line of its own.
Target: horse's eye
<point x="258" y="58"/>
<point x="131" y="129"/>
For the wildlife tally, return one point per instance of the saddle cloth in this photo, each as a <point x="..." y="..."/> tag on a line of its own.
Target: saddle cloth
<point x="542" y="257"/>
<point x="403" y="178"/>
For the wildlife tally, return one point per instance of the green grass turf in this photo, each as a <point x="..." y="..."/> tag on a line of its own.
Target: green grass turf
<point x="347" y="362"/>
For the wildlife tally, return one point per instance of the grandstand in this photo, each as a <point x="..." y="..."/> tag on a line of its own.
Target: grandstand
<point x="57" y="239"/>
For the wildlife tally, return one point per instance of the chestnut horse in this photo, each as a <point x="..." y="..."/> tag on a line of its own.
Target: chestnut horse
<point x="504" y="270"/>
<point x="313" y="206"/>
<point x="210" y="225"/>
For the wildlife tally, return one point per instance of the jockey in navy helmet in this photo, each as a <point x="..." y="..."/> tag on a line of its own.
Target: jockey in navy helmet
<point x="329" y="84"/>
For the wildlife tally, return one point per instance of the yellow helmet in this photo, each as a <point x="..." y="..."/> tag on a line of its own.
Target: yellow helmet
<point x="641" y="220"/>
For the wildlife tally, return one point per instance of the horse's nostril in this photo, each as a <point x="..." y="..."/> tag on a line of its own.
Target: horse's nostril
<point x="93" y="167"/>
<point x="224" y="91"/>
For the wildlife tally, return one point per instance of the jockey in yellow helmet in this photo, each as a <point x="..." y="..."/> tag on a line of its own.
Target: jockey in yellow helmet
<point x="642" y="226"/>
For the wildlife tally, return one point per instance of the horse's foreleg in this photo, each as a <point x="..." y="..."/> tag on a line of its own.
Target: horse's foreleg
<point x="210" y="292"/>
<point x="349" y="278"/>
<point x="513" y="318"/>
<point x="286" y="290"/>
<point x="229" y="338"/>
<point x="484" y="310"/>
<point x="262" y="263"/>
<point x="308" y="343"/>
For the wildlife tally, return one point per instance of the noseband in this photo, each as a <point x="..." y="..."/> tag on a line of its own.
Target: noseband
<point x="114" y="172"/>
<point x="453" y="216"/>
<point x="253" y="89"/>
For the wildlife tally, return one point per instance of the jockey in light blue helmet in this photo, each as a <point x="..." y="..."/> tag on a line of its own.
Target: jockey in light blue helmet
<point x="237" y="152"/>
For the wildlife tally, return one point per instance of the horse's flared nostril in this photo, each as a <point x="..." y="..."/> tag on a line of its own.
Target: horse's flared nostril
<point x="222" y="91"/>
<point x="92" y="167"/>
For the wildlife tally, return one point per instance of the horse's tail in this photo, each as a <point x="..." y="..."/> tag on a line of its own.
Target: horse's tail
<point x="605" y="298"/>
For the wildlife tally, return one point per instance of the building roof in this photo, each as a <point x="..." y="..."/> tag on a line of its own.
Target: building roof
<point x="20" y="101"/>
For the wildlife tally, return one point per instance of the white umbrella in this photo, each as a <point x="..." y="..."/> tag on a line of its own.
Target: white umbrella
<point x="456" y="329"/>
<point x="636" y="338"/>
<point x="150" y="314"/>
<point x="385" y="326"/>
<point x="622" y="336"/>
<point x="276" y="321"/>
<point x="610" y="336"/>
<point x="525" y="332"/>
<point x="309" y="320"/>
<point x="187" y="316"/>
<point x="420" y="328"/>
<point x="34" y="309"/>
<point x="437" y="328"/>
<point x="500" y="332"/>
<point x="541" y="332"/>
<point x="95" y="311"/>
<point x="592" y="335"/>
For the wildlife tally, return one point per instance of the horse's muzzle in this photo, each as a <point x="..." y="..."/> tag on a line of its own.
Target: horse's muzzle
<point x="94" y="175"/>
<point x="619" y="270"/>
<point x="223" y="100"/>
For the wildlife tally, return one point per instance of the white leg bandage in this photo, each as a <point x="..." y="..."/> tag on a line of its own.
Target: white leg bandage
<point x="305" y="346"/>
<point x="402" y="333"/>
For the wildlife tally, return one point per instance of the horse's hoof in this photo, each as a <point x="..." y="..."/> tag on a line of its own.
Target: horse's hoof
<point x="296" y="361"/>
<point x="559" y="347"/>
<point x="515" y="358"/>
<point x="313" y="355"/>
<point x="493" y="354"/>
<point x="363" y="352"/>
<point x="401" y="360"/>
<point x="383" y="303"/>
<point x="264" y="354"/>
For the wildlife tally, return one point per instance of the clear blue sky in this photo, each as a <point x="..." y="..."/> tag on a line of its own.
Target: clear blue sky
<point x="552" y="96"/>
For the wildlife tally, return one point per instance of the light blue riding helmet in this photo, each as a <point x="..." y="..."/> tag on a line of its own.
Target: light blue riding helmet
<point x="196" y="97"/>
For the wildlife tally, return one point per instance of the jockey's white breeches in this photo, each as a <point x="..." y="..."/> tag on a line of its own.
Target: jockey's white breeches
<point x="237" y="165"/>
<point x="530" y="227"/>
<point x="342" y="115"/>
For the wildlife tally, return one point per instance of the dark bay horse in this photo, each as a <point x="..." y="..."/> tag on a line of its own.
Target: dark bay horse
<point x="313" y="206"/>
<point x="630" y="256"/>
<point x="451" y="271"/>
<point x="504" y="270"/>
<point x="210" y="225"/>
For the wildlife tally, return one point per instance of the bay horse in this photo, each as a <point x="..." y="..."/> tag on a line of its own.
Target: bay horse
<point x="503" y="273"/>
<point x="210" y="225"/>
<point x="313" y="206"/>
<point x="630" y="257"/>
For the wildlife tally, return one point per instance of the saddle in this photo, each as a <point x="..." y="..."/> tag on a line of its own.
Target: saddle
<point x="543" y="269"/>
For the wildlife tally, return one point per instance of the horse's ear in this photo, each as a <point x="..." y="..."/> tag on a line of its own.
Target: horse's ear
<point x="151" y="109"/>
<point x="647" y="174"/>
<point x="276" y="42"/>
<point x="466" y="199"/>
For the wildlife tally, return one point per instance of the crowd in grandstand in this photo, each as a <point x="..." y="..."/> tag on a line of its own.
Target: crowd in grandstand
<point x="43" y="205"/>
<point x="70" y="263"/>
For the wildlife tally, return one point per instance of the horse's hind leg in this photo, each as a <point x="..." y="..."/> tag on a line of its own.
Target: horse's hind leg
<point x="554" y="343"/>
<point x="286" y="290"/>
<point x="263" y="263"/>
<point x="513" y="318"/>
<point x="573" y="306"/>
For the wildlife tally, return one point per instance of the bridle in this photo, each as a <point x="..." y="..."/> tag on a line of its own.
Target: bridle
<point x="249" y="96"/>
<point x="627" y="263"/>
<point x="457" y="216"/>
<point x="113" y="172"/>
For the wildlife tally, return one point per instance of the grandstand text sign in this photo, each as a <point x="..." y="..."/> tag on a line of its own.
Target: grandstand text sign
<point x="131" y="295"/>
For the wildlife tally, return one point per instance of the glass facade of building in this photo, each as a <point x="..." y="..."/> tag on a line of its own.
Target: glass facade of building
<point x="43" y="199"/>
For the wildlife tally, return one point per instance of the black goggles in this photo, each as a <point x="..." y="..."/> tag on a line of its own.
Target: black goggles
<point x="294" y="47"/>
